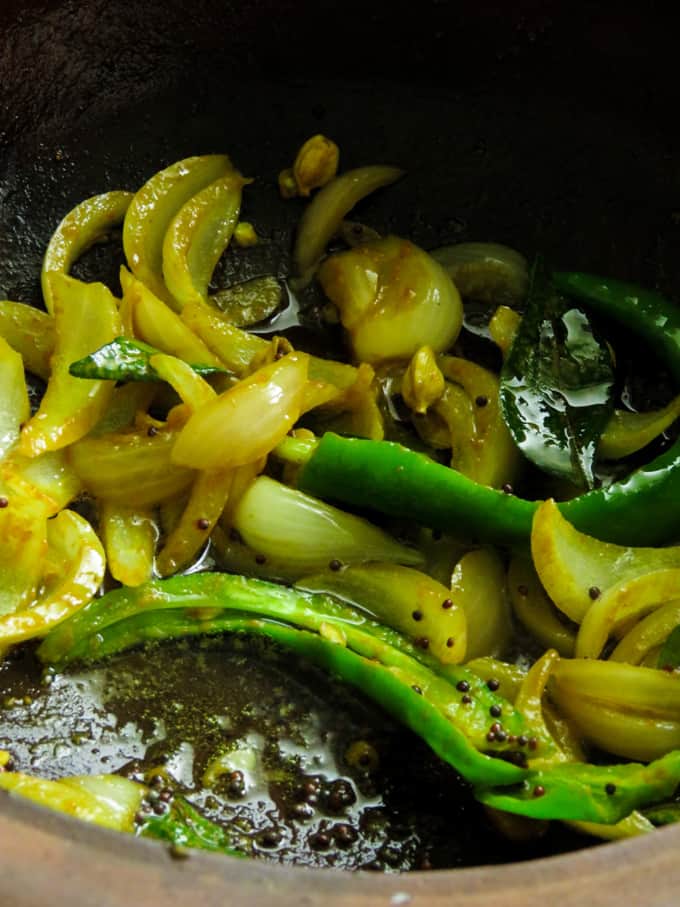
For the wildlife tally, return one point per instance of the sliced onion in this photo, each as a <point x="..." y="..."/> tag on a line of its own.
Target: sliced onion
<point x="247" y="421"/>
<point x="307" y="534"/>
<point x="325" y="213"/>
<point x="489" y="272"/>
<point x="86" y="224"/>
<point x="393" y="299"/>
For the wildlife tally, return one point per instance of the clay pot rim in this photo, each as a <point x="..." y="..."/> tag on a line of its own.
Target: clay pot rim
<point x="44" y="853"/>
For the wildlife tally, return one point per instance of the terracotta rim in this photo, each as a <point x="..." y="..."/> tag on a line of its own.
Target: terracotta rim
<point x="48" y="858"/>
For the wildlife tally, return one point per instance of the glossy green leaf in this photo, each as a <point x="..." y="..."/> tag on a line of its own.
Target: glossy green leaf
<point x="126" y="360"/>
<point x="556" y="384"/>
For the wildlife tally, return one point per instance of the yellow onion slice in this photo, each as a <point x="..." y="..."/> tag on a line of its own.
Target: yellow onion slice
<point x="247" y="421"/>
<point x="107" y="800"/>
<point x="622" y="603"/>
<point x="30" y="332"/>
<point x="329" y="207"/>
<point x="14" y="403"/>
<point x="157" y="324"/>
<point x="130" y="466"/>
<point x="535" y="610"/>
<point x="307" y="534"/>
<point x="625" y="433"/>
<point x="393" y="298"/>
<point x="153" y="209"/>
<point x="478" y="585"/>
<point x="197" y="236"/>
<point x="402" y="598"/>
<point x="77" y="563"/>
<point x="576" y="569"/>
<point x="129" y="537"/>
<point x="649" y="633"/>
<point x="86" y="317"/>
<point x="209" y="494"/>
<point x="88" y="223"/>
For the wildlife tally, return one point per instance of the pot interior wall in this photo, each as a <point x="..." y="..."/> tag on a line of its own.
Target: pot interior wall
<point x="545" y="127"/>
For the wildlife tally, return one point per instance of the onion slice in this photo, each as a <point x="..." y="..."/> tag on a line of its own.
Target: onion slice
<point x="329" y="207"/>
<point x="275" y="520"/>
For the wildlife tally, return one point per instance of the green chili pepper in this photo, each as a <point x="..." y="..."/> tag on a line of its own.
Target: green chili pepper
<point x="597" y="793"/>
<point x="448" y="706"/>
<point x="647" y="313"/>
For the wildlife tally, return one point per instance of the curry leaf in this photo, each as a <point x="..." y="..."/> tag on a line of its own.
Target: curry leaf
<point x="126" y="360"/>
<point x="556" y="384"/>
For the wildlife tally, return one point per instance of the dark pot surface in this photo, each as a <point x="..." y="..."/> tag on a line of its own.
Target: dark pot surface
<point x="548" y="128"/>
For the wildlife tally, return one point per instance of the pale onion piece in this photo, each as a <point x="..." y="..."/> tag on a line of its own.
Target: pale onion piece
<point x="197" y="236"/>
<point x="489" y="272"/>
<point x="625" y="433"/>
<point x="316" y="164"/>
<point x="156" y="323"/>
<point x="574" y="568"/>
<point x="74" y="546"/>
<point x="423" y="383"/>
<point x="509" y="676"/>
<point x="233" y="347"/>
<point x="247" y="421"/>
<point x="618" y="731"/>
<point x="238" y="350"/>
<point x="503" y="326"/>
<point x="563" y="733"/>
<point x="88" y="223"/>
<point x="643" y="690"/>
<point x="49" y="477"/>
<point x="153" y="209"/>
<point x="15" y="407"/>
<point x="281" y="522"/>
<point x="129" y="536"/>
<point x="107" y="800"/>
<point x="497" y="459"/>
<point x="529" y="701"/>
<point x="352" y="408"/>
<point x="170" y="511"/>
<point x="402" y="598"/>
<point x="249" y="302"/>
<point x="242" y="477"/>
<point x="23" y="530"/>
<point x="648" y="634"/>
<point x="633" y="825"/>
<point x="329" y="206"/>
<point x="130" y="466"/>
<point x="235" y="557"/>
<point x="85" y="318"/>
<point x="478" y="584"/>
<point x="625" y="601"/>
<point x="393" y="298"/>
<point x="450" y="425"/>
<point x="31" y="333"/>
<point x="442" y="553"/>
<point x="191" y="387"/>
<point x="534" y="609"/>
<point x="208" y="496"/>
<point x="318" y="394"/>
